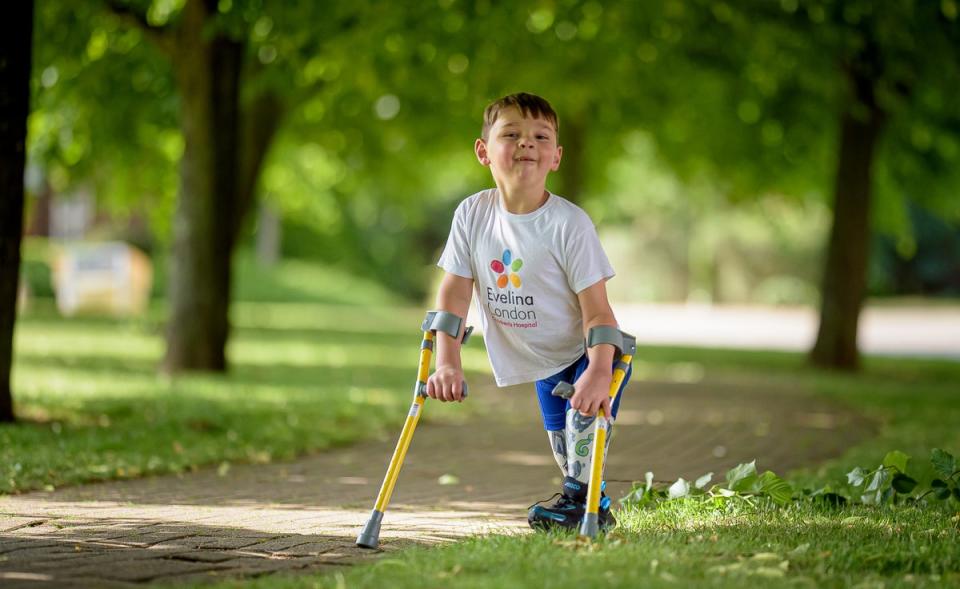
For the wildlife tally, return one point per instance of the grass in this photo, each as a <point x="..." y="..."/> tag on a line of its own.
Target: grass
<point x="695" y="543"/>
<point x="683" y="545"/>
<point x="306" y="376"/>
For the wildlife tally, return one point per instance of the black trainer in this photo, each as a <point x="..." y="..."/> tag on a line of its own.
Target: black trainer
<point x="567" y="512"/>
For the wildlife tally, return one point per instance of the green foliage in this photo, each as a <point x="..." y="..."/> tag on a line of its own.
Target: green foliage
<point x="922" y="259"/>
<point x="889" y="483"/>
<point x="380" y="105"/>
<point x="742" y="482"/>
<point x="35" y="267"/>
<point x="944" y="464"/>
<point x="104" y="113"/>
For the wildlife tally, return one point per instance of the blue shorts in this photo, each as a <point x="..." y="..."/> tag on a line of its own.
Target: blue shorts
<point x="554" y="409"/>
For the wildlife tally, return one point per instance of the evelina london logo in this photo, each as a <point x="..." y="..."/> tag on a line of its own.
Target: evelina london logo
<point x="507" y="268"/>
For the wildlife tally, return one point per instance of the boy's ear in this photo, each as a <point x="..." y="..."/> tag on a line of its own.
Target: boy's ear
<point x="556" y="158"/>
<point x="480" y="148"/>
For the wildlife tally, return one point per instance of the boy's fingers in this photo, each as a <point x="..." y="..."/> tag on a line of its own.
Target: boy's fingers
<point x="588" y="407"/>
<point x="575" y="401"/>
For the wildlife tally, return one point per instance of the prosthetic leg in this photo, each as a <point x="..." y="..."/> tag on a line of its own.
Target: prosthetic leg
<point x="435" y="321"/>
<point x="626" y="346"/>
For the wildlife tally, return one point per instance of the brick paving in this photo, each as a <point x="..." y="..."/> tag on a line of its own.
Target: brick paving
<point x="304" y="515"/>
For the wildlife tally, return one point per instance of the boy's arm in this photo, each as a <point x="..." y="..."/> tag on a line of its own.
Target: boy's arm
<point x="446" y="383"/>
<point x="593" y="386"/>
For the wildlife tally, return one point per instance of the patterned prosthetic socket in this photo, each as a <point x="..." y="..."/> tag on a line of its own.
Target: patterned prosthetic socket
<point x="579" y="441"/>
<point x="580" y="432"/>
<point x="558" y="444"/>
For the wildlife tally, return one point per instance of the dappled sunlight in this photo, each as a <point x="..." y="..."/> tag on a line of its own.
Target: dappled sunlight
<point x="670" y="371"/>
<point x="59" y="339"/>
<point x="303" y="353"/>
<point x="169" y="539"/>
<point x="67" y="385"/>
<point x="525" y="458"/>
<point x="279" y="315"/>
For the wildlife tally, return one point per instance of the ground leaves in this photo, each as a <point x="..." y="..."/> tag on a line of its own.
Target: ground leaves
<point x="944" y="464"/>
<point x="742" y="477"/>
<point x="888" y="483"/>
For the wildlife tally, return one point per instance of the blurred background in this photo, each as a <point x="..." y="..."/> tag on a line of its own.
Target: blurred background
<point x="791" y="153"/>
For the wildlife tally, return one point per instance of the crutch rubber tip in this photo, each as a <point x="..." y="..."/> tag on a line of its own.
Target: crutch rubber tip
<point x="590" y="525"/>
<point x="370" y="535"/>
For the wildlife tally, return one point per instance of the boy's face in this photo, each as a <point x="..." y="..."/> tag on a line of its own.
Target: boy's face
<point x="519" y="151"/>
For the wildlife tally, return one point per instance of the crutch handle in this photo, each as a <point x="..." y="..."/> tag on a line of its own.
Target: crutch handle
<point x="563" y="389"/>
<point x="422" y="389"/>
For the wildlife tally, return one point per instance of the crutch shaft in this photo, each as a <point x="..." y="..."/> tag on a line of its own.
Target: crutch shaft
<point x="399" y="454"/>
<point x="591" y="517"/>
<point x="370" y="535"/>
<point x="406" y="435"/>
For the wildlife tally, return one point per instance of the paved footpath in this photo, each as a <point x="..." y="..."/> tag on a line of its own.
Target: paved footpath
<point x="304" y="515"/>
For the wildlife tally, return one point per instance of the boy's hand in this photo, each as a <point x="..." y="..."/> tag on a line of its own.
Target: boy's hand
<point x="446" y="384"/>
<point x="592" y="392"/>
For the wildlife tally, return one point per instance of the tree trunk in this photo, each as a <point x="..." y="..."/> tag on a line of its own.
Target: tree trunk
<point x="573" y="164"/>
<point x="207" y="68"/>
<point x="258" y="125"/>
<point x="15" y="56"/>
<point x="845" y="274"/>
<point x="40" y="212"/>
<point x="269" y="233"/>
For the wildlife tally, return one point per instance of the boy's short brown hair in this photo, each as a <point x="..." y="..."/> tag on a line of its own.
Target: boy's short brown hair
<point x="529" y="105"/>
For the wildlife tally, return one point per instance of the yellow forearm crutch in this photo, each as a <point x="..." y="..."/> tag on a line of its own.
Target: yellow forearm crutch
<point x="626" y="345"/>
<point x="435" y="321"/>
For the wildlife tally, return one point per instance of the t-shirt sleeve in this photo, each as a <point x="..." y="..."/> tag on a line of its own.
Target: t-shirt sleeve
<point x="586" y="262"/>
<point x="455" y="258"/>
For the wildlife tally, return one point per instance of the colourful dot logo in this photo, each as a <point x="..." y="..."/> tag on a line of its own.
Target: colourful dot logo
<point x="507" y="270"/>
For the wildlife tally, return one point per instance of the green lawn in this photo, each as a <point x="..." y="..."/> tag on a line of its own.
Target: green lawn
<point x="306" y="375"/>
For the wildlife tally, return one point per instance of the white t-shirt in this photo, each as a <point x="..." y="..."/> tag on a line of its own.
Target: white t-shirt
<point x="527" y="270"/>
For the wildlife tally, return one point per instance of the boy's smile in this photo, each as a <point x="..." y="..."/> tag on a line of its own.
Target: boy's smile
<point x="520" y="152"/>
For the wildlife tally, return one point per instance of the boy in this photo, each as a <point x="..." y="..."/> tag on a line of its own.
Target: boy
<point x="539" y="273"/>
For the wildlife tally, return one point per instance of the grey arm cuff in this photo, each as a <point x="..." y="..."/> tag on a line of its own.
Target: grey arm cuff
<point x="606" y="334"/>
<point x="446" y="322"/>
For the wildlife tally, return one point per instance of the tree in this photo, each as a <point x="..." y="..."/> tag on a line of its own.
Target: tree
<point x="372" y="103"/>
<point x="235" y="70"/>
<point x="215" y="192"/>
<point x="15" y="52"/>
<point x="900" y="55"/>
<point x="230" y="112"/>
<point x="844" y="286"/>
<point x="784" y="96"/>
